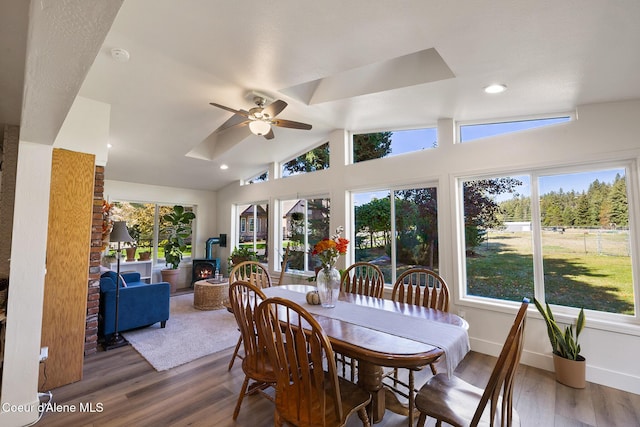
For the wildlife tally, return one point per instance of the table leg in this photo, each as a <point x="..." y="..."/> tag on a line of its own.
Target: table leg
<point x="370" y="379"/>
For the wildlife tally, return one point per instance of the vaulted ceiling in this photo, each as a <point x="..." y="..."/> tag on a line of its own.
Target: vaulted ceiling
<point x="361" y="65"/>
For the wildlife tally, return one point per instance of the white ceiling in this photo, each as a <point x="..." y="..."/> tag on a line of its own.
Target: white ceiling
<point x="552" y="56"/>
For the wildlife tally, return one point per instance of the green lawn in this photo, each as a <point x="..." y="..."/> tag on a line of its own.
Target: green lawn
<point x="580" y="270"/>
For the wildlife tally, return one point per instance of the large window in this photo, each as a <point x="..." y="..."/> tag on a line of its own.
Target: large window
<point x="145" y="225"/>
<point x="369" y="146"/>
<point x="562" y="237"/>
<point x="304" y="223"/>
<point x="253" y="232"/>
<point x="399" y="236"/>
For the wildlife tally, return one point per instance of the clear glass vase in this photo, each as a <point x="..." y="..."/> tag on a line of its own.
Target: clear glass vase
<point x="328" y="282"/>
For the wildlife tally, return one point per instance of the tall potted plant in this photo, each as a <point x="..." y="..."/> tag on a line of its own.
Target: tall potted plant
<point x="569" y="364"/>
<point x="178" y="229"/>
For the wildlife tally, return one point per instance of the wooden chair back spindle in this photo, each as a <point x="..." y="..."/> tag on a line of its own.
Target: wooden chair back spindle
<point x="252" y="272"/>
<point x="363" y="278"/>
<point x="421" y="286"/>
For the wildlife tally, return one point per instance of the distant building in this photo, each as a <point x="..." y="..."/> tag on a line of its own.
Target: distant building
<point x="518" y="226"/>
<point x="247" y="224"/>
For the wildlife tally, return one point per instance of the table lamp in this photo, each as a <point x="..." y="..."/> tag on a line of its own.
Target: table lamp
<point x="119" y="234"/>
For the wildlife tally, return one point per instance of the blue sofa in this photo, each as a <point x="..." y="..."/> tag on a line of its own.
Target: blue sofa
<point x="141" y="303"/>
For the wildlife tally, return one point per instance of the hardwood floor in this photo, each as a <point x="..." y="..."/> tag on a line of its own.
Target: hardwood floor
<point x="203" y="393"/>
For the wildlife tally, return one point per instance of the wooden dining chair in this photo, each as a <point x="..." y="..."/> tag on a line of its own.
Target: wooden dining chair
<point x="360" y="278"/>
<point x="424" y="287"/>
<point x="363" y="278"/>
<point x="254" y="273"/>
<point x="456" y="402"/>
<point x="244" y="297"/>
<point x="308" y="389"/>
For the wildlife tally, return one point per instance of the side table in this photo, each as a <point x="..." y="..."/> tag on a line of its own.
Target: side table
<point x="210" y="294"/>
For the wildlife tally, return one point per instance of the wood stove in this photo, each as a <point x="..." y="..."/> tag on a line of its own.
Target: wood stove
<point x="204" y="269"/>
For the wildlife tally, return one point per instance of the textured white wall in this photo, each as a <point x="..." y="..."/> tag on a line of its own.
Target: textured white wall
<point x="86" y="129"/>
<point x="26" y="283"/>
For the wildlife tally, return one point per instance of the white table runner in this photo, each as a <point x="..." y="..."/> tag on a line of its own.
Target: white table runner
<point x="454" y="340"/>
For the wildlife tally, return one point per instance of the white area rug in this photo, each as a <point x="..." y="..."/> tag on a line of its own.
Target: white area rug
<point x="190" y="334"/>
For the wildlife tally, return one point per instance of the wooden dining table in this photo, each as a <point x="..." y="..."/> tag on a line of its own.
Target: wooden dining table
<point x="374" y="332"/>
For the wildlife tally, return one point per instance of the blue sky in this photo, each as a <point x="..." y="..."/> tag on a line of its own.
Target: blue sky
<point x="419" y="139"/>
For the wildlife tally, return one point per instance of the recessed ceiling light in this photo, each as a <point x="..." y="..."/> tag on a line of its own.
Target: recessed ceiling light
<point x="224" y="167"/>
<point x="495" y="88"/>
<point x="120" y="55"/>
<point x="109" y="145"/>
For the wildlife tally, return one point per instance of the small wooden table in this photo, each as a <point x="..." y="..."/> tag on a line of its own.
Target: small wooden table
<point x="210" y="294"/>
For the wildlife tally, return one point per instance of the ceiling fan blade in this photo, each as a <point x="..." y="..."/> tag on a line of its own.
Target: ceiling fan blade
<point x="241" y="112"/>
<point x="224" y="129"/>
<point x="269" y="135"/>
<point x="291" y="124"/>
<point x="234" y="121"/>
<point x="274" y="108"/>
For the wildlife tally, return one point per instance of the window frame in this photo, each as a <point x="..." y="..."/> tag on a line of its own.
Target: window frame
<point x="597" y="319"/>
<point x="248" y="224"/>
<point x="155" y="237"/>
<point x="281" y="232"/>
<point x="392" y="190"/>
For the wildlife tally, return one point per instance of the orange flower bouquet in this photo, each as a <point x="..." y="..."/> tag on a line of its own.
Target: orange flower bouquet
<point x="328" y="279"/>
<point x="328" y="250"/>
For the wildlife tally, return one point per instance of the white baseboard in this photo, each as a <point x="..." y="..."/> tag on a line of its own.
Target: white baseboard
<point x="595" y="374"/>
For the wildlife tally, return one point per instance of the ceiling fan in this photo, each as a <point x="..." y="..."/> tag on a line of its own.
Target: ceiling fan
<point x="261" y="117"/>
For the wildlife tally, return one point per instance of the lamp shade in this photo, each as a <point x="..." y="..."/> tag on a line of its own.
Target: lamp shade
<point x="258" y="127"/>
<point x="119" y="233"/>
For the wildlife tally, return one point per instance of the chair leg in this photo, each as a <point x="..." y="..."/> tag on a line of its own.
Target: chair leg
<point x="362" y="414"/>
<point x="277" y="421"/>
<point x="243" y="391"/>
<point x="235" y="353"/>
<point x="434" y="371"/>
<point x="412" y="394"/>
<point x="422" y="419"/>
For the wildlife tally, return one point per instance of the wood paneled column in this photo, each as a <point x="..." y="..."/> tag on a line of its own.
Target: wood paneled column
<point x="68" y="251"/>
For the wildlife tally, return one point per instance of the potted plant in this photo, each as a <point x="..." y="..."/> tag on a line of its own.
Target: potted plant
<point x="132" y="247"/>
<point x="241" y="254"/>
<point x="569" y="364"/>
<point x="178" y="229"/>
<point x="145" y="251"/>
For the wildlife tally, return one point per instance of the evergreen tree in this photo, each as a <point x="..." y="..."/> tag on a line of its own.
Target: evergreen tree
<point x="618" y="201"/>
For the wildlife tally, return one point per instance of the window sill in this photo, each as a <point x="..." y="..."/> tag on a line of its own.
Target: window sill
<point x="626" y="325"/>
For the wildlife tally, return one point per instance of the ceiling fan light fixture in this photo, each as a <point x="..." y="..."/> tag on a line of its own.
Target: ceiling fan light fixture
<point x="258" y="127"/>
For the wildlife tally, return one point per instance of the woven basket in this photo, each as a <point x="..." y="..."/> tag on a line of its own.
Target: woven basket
<point x="208" y="296"/>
